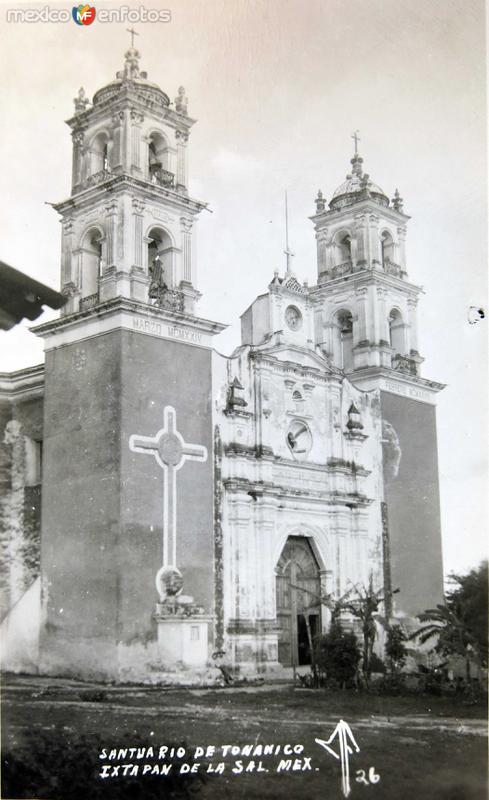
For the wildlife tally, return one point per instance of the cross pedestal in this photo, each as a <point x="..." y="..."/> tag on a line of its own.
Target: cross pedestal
<point x="182" y="636"/>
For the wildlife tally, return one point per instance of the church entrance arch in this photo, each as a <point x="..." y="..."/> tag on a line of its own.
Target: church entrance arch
<point x="297" y="590"/>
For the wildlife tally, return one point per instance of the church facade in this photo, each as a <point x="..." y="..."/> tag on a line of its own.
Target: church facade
<point x="164" y="506"/>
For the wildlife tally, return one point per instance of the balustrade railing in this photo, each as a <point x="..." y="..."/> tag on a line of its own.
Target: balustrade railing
<point x="163" y="177"/>
<point x="171" y="299"/>
<point x="346" y="268"/>
<point x="99" y="177"/>
<point x="394" y="269"/>
<point x="89" y="301"/>
<point x="404" y="364"/>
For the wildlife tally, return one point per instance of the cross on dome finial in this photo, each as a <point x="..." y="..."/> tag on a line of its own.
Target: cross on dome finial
<point x="131" y="63"/>
<point x="133" y="34"/>
<point x="357" y="160"/>
<point x="356" y="138"/>
<point x="288" y="252"/>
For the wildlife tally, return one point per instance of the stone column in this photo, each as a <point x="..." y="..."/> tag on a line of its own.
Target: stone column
<point x="181" y="176"/>
<point x="138" y="243"/>
<point x="321" y="239"/>
<point x="126" y="142"/>
<point x="361" y="249"/>
<point x="117" y="139"/>
<point x="382" y="328"/>
<point x="67" y="233"/>
<point x="111" y="246"/>
<point x="136" y="121"/>
<point x="76" y="176"/>
<point x="401" y="232"/>
<point x="413" y="325"/>
<point x="362" y="311"/>
<point x="186" y="230"/>
<point x="375" y="247"/>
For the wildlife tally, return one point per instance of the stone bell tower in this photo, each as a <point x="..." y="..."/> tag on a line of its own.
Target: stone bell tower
<point x="128" y="226"/>
<point x="127" y="519"/>
<point x="366" y="324"/>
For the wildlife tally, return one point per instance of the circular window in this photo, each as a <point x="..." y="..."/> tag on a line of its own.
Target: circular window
<point x="299" y="439"/>
<point x="293" y="318"/>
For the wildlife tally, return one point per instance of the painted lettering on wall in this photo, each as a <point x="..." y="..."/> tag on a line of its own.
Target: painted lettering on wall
<point x="148" y="326"/>
<point x="156" y="328"/>
<point x="406" y="391"/>
<point x="184" y="333"/>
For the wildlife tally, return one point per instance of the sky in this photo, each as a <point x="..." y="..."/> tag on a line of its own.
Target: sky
<point x="278" y="87"/>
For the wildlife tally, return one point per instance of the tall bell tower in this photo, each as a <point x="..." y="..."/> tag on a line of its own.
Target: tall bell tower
<point x="127" y="517"/>
<point x="366" y="324"/>
<point x="128" y="226"/>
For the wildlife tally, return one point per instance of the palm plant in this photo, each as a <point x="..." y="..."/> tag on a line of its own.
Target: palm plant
<point x="449" y="632"/>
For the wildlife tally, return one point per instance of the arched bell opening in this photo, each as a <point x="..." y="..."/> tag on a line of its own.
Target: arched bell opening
<point x="387" y="249"/>
<point x="158" y="160"/>
<point x="161" y="267"/>
<point x="91" y="264"/>
<point x="99" y="154"/>
<point x="397" y="332"/>
<point x="343" y="247"/>
<point x="343" y="340"/>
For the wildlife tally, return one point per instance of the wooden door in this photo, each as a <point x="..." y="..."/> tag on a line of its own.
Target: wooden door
<point x="298" y="588"/>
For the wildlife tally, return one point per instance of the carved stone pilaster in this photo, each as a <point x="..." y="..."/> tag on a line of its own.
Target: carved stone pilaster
<point x="111" y="210"/>
<point x="182" y="139"/>
<point x="138" y="207"/>
<point x="186" y="230"/>
<point x="137" y="119"/>
<point x="78" y="138"/>
<point x="117" y="134"/>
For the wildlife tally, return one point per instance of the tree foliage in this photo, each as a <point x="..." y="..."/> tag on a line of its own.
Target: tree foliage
<point x="460" y="626"/>
<point x="365" y="607"/>
<point x="395" y="648"/>
<point x="468" y="600"/>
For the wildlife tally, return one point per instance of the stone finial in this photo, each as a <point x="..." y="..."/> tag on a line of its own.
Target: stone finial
<point x="81" y="102"/>
<point x="131" y="65"/>
<point x="365" y="182"/>
<point x="181" y="102"/>
<point x="354" y="419"/>
<point x="320" y="202"/>
<point x="236" y="398"/>
<point x="356" y="163"/>
<point x="397" y="201"/>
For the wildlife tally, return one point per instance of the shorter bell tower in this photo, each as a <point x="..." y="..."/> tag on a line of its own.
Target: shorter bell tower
<point x="367" y="310"/>
<point x="366" y="324"/>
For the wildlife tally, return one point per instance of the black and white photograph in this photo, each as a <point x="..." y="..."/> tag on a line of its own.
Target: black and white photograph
<point x="243" y="400"/>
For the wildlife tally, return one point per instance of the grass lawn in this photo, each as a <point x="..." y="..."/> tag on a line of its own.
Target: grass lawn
<point x="421" y="746"/>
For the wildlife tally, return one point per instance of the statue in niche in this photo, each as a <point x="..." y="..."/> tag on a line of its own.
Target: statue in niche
<point x="157" y="286"/>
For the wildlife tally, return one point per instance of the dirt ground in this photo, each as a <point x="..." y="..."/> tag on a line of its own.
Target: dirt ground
<point x="420" y="747"/>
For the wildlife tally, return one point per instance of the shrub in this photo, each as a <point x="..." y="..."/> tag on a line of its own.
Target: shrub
<point x="337" y="655"/>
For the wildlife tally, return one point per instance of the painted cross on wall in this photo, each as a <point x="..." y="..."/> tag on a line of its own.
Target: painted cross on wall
<point x="171" y="452"/>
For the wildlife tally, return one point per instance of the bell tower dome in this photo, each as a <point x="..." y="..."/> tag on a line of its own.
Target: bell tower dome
<point x="128" y="226"/>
